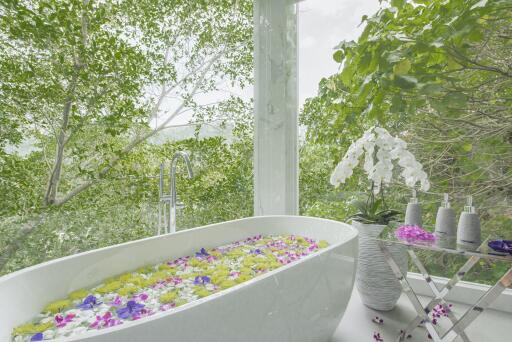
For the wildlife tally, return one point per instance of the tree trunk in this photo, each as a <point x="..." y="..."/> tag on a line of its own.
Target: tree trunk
<point x="53" y="183"/>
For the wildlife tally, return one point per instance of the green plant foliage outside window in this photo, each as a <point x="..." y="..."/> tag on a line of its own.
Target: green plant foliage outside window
<point x="437" y="74"/>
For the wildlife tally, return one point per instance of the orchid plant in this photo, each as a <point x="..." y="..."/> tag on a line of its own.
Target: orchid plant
<point x="381" y="150"/>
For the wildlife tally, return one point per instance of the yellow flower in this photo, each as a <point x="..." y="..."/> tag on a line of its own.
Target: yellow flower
<point x="151" y="281"/>
<point x="137" y="280"/>
<point x="301" y="241"/>
<point x="216" y="254"/>
<point x="127" y="290"/>
<point x="31" y="328"/>
<point x="168" y="268"/>
<point x="235" y="253"/>
<point x="180" y="302"/>
<point x="201" y="291"/>
<point x="250" y="261"/>
<point x="162" y="275"/>
<point x="323" y="244"/>
<point x="275" y="264"/>
<point x="192" y="275"/>
<point x="125" y="277"/>
<point x="109" y="287"/>
<point x="262" y="266"/>
<point x="195" y="262"/>
<point x="109" y="280"/>
<point x="222" y="268"/>
<point x="57" y="306"/>
<point x="219" y="276"/>
<point x="270" y="255"/>
<point x="246" y="270"/>
<point x="243" y="277"/>
<point x="78" y="294"/>
<point x="226" y="284"/>
<point x="263" y="241"/>
<point x="145" y="270"/>
<point x="209" y="271"/>
<point x="168" y="297"/>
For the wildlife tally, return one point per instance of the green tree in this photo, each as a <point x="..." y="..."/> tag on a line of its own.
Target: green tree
<point x="90" y="83"/>
<point x="438" y="74"/>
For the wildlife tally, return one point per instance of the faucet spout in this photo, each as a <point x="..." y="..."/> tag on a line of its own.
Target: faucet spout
<point x="168" y="202"/>
<point x="174" y="197"/>
<point x="174" y="162"/>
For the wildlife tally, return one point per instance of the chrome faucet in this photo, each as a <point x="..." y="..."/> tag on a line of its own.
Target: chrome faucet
<point x="168" y="202"/>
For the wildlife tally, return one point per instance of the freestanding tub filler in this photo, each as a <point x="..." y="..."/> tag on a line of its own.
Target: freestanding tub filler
<point x="300" y="302"/>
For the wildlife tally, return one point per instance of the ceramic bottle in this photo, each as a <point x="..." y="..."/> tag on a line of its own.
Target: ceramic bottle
<point x="413" y="211"/>
<point x="446" y="224"/>
<point x="468" y="231"/>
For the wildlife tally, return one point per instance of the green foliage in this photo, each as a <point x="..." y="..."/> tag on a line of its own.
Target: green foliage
<point x="81" y="81"/>
<point x="80" y="77"/>
<point x="437" y="74"/>
<point x="123" y="206"/>
<point x="86" y="87"/>
<point x="374" y="211"/>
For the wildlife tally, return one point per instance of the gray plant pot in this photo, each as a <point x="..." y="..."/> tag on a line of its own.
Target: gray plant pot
<point x="375" y="281"/>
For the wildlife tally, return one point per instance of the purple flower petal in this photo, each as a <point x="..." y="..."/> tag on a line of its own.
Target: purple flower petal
<point x="413" y="233"/>
<point x="202" y="254"/>
<point x="89" y="303"/>
<point x="132" y="309"/>
<point x="201" y="280"/>
<point x="504" y="246"/>
<point x="37" y="337"/>
<point x="123" y="313"/>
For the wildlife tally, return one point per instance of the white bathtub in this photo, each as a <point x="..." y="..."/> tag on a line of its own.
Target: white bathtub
<point x="300" y="302"/>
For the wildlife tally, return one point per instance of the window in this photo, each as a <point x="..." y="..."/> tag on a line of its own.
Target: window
<point x="95" y="95"/>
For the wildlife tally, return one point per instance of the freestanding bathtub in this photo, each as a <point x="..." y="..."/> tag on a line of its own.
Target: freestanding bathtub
<point x="300" y="302"/>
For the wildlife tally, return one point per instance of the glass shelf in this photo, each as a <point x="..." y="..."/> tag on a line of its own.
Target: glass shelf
<point x="387" y="238"/>
<point x="445" y="245"/>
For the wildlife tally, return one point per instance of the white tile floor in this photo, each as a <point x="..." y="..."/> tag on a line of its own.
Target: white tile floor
<point x="357" y="325"/>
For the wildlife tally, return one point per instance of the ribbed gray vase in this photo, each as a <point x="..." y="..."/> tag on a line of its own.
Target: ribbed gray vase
<point x="375" y="281"/>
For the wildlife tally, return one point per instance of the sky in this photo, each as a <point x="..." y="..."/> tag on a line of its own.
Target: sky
<point x="322" y="25"/>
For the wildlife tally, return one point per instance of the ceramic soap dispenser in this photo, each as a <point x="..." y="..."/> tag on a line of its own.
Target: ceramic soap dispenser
<point x="468" y="231"/>
<point x="446" y="224"/>
<point x="413" y="212"/>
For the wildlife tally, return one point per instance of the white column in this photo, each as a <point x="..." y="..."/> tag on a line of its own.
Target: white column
<point x="275" y="98"/>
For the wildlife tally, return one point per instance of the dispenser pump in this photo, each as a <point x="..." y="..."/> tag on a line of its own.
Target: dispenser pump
<point x="414" y="198"/>
<point x="446" y="201"/>
<point x="469" y="207"/>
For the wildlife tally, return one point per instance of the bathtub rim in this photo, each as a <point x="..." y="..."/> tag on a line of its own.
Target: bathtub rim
<point x="160" y="315"/>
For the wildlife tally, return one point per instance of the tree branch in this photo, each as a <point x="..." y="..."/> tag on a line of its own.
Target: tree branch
<point x="53" y="183"/>
<point x="135" y="142"/>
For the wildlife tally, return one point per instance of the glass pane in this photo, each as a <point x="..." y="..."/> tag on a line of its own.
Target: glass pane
<point x="322" y="25"/>
<point x="441" y="91"/>
<point x="95" y="95"/>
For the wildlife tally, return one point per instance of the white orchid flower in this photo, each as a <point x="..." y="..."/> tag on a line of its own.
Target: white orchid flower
<point x="380" y="150"/>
